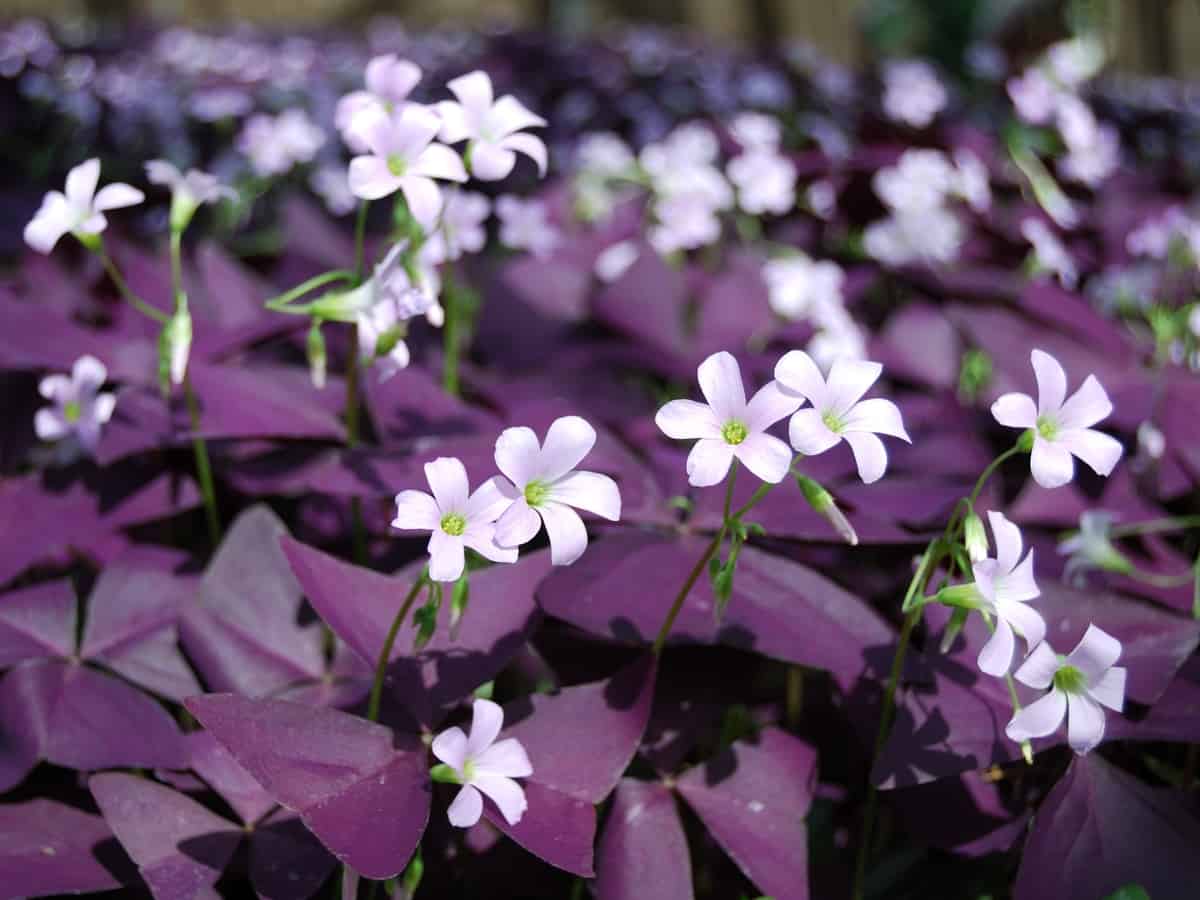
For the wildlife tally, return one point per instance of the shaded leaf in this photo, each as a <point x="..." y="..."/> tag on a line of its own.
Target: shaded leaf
<point x="643" y="851"/>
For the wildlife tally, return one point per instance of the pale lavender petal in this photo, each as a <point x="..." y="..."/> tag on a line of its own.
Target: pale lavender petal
<point x="1015" y="411"/>
<point x="509" y="115"/>
<point x="1095" y="654"/>
<point x="491" y="162"/>
<point x="1007" y="538"/>
<point x="985" y="571"/>
<point x="439" y="161"/>
<point x="447" y="556"/>
<point x="708" y="462"/>
<point x="391" y="77"/>
<point x="455" y="125"/>
<point x="55" y="387"/>
<point x="517" y="455"/>
<point x="766" y="456"/>
<point x="869" y="455"/>
<point x="474" y="92"/>
<point x="687" y="420"/>
<point x="589" y="491"/>
<point x="1039" y="667"/>
<point x="416" y="511"/>
<point x="518" y="525"/>
<point x="370" y="178"/>
<point x="1051" y="382"/>
<point x="1086" y="406"/>
<point x="876" y="415"/>
<point x="996" y="656"/>
<point x="1027" y="621"/>
<point x="849" y="379"/>
<point x="89" y="374"/>
<point x="721" y="383"/>
<point x="117" y="196"/>
<point x="568" y="537"/>
<point x="467" y="808"/>
<point x="1051" y="464"/>
<point x="1019" y="585"/>
<point x="81" y="184"/>
<point x="797" y="372"/>
<point x="508" y="796"/>
<point x="447" y="478"/>
<point x="103" y="406"/>
<point x="487" y="718"/>
<point x="450" y="747"/>
<point x="1085" y="723"/>
<point x="530" y="145"/>
<point x="1110" y="689"/>
<point x="809" y="434"/>
<point x="52" y="220"/>
<point x="424" y="199"/>
<point x="482" y="539"/>
<point x="770" y="404"/>
<point x="1098" y="450"/>
<point x="1038" y="719"/>
<point x="506" y="757"/>
<point x="488" y="502"/>
<point x="568" y="440"/>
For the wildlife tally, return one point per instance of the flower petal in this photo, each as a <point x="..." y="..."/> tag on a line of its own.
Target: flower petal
<point x="509" y="114"/>
<point x="447" y="556"/>
<point x="517" y="455"/>
<point x="568" y="536"/>
<point x="995" y="658"/>
<point x="55" y="387"/>
<point x="1051" y="382"/>
<point x="1095" y="654"/>
<point x="416" y="511"/>
<point x="89" y="374"/>
<point x="474" y="92"/>
<point x="117" y="196"/>
<point x="1018" y="585"/>
<point x="770" y="404"/>
<point x="1038" y="719"/>
<point x="482" y="539"/>
<point x="424" y="199"/>
<point x="488" y="502"/>
<point x="49" y="425"/>
<point x="518" y="525"/>
<point x="81" y="185"/>
<point x="370" y="178"/>
<point x="766" y="456"/>
<point x="439" y="161"/>
<point x="687" y="420"/>
<point x="447" y="479"/>
<point x="103" y="406"/>
<point x="589" y="491"/>
<point x="1015" y="411"/>
<point x="451" y="748"/>
<point x="467" y="807"/>
<point x="1110" y="689"/>
<point x="491" y="162"/>
<point x="869" y="455"/>
<point x="487" y="718"/>
<point x="568" y="440"/>
<point x="849" y="379"/>
<point x="531" y="145"/>
<point x="809" y="434"/>
<point x="876" y="415"/>
<point x="1085" y="723"/>
<point x="1099" y="451"/>
<point x="507" y="758"/>
<point x="1086" y="406"/>
<point x="508" y="796"/>
<point x="1007" y="538"/>
<point x="1051" y="464"/>
<point x="708" y="462"/>
<point x="721" y="383"/>
<point x="1026" y="621"/>
<point x="1039" y="667"/>
<point x="797" y="372"/>
<point x="52" y="220"/>
<point x="455" y="124"/>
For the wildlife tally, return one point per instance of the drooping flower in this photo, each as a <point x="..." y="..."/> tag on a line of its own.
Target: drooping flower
<point x="1005" y="584"/>
<point x="838" y="411"/>
<point x="402" y="156"/>
<point x="798" y="286"/>
<point x="912" y="92"/>
<point x="1080" y="685"/>
<point x="483" y="766"/>
<point x="726" y="427"/>
<point x="1061" y="426"/>
<point x="494" y="129"/>
<point x="189" y="190"/>
<point x="543" y="487"/>
<point x="455" y="517"/>
<point x="389" y="81"/>
<point x="80" y="210"/>
<point x="79" y="409"/>
<point x="1092" y="548"/>
<point x="461" y="228"/>
<point x="524" y="226"/>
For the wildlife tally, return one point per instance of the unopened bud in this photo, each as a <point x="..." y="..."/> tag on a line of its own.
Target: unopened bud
<point x="975" y="538"/>
<point x="174" y="346"/>
<point x="316" y="354"/>
<point x="955" y="625"/>
<point x="822" y="501"/>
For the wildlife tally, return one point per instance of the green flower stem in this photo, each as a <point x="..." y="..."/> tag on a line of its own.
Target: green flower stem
<point x="203" y="467"/>
<point x="358" y="530"/>
<point x="1154" y="579"/>
<point x="388" y="642"/>
<point x="1155" y="526"/>
<point x="360" y="235"/>
<point x="282" y="302"/>
<point x="990" y="470"/>
<point x="450" y="336"/>
<point x="119" y="280"/>
<point x="176" y="267"/>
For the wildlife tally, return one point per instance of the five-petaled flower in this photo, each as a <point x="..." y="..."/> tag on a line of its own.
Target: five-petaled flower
<point x="1080" y="684"/>
<point x="494" y="129"/>
<point x="79" y="210"/>
<point x="1005" y="586"/>
<point x="727" y="427"/>
<point x="1061" y="426"/>
<point x="79" y="409"/>
<point x="838" y="411"/>
<point x="542" y="486"/>
<point x="389" y="81"/>
<point x="455" y="517"/>
<point x="482" y="765"/>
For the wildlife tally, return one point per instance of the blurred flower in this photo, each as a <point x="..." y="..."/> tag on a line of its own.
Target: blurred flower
<point x="215" y="104"/>
<point x="1093" y="150"/>
<point x="1034" y="95"/>
<point x="188" y="191"/>
<point x="482" y="765"/>
<point x="26" y="42"/>
<point x="79" y="211"/>
<point x="765" y="182"/>
<point x="604" y="154"/>
<point x="756" y="131"/>
<point x="1049" y="253"/>
<point x="543" y="487"/>
<point x="838" y="411"/>
<point x="461" y="228"/>
<point x="614" y="261"/>
<point x="332" y="184"/>
<point x="912" y="92"/>
<point x="1151" y="440"/>
<point x="403" y="156"/>
<point x="494" y="129"/>
<point x="921" y="179"/>
<point x="456" y="518"/>
<point x="1076" y="60"/>
<point x="1080" y="685"/>
<point x="821" y="197"/>
<point x="1061" y="426"/>
<point x="839" y="337"/>
<point x="1005" y="584"/>
<point x="389" y="81"/>
<point x="1092" y="548"/>
<point x="523" y="225"/>
<point x="932" y="235"/>
<point x="726" y="427"/>
<point x="80" y="410"/>
<point x="275" y="144"/>
<point x="797" y="285"/>
<point x="973" y="181"/>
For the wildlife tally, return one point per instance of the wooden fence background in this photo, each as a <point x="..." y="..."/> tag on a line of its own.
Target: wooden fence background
<point x="1159" y="36"/>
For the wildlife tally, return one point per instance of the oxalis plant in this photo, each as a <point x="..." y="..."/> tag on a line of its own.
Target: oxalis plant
<point x="296" y="723"/>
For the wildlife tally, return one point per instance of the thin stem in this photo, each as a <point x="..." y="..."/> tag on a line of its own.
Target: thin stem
<point x="388" y="642"/>
<point x="281" y="302"/>
<point x="987" y="473"/>
<point x="203" y="467"/>
<point x="1155" y="526"/>
<point x="450" y="336"/>
<point x="176" y="266"/>
<point x="119" y="280"/>
<point x="794" y="696"/>
<point x="1154" y="579"/>
<point x="352" y="389"/>
<point x="360" y="240"/>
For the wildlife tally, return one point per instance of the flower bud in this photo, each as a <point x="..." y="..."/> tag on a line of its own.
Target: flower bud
<point x="316" y="354"/>
<point x="975" y="537"/>
<point x="822" y="501"/>
<point x="174" y="345"/>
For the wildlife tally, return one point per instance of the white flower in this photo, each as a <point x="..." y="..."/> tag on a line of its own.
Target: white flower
<point x="1151" y="441"/>
<point x="614" y="261"/>
<point x="483" y="765"/>
<point x="79" y="409"/>
<point x="821" y="197"/>
<point x="493" y="128"/>
<point x="920" y="180"/>
<point x="603" y="155"/>
<point x="685" y="221"/>
<point x="838" y="411"/>
<point x="275" y="144"/>
<point x="1094" y="161"/>
<point x="1076" y="60"/>
<point x="689" y="146"/>
<point x="1005" y="584"/>
<point x="756" y="131"/>
<point x="1091" y="548"/>
<point x="929" y="236"/>
<point x="455" y="517"/>
<point x="912" y="92"/>
<point x="1080" y="684"/>
<point x="726" y="427"/>
<point x="765" y="181"/>
<point x="389" y="81"/>
<point x="544" y="488"/>
<point x="973" y="182"/>
<point x="188" y="190"/>
<point x="839" y="338"/>
<point x="80" y="210"/>
<point x="1034" y="95"/>
<point x="402" y="156"/>
<point x="461" y="229"/>
<point x="798" y="286"/>
<point x="332" y="184"/>
<point x="1061" y="426"/>
<point x="1049" y="253"/>
<point x="524" y="226"/>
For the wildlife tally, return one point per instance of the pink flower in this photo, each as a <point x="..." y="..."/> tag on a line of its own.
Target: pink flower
<point x="389" y="81"/>
<point x="483" y="766"/>
<point x="80" y="210"/>
<point x="494" y="128"/>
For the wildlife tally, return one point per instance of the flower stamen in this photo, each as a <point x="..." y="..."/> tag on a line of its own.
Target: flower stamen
<point x="734" y="432"/>
<point x="454" y="524"/>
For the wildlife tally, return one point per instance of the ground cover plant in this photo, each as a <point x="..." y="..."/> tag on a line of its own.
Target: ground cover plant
<point x="497" y="466"/>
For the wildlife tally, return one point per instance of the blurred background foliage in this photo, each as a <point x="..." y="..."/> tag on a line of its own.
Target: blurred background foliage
<point x="1146" y="36"/>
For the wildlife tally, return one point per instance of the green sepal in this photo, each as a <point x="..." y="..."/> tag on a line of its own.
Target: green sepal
<point x="444" y="774"/>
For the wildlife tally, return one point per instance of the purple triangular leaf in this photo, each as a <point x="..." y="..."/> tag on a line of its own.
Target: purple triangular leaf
<point x="1101" y="829"/>
<point x="37" y="622"/>
<point x="643" y="851"/>
<point x="180" y="847"/>
<point x="556" y="828"/>
<point x="48" y="848"/>
<point x="243" y="629"/>
<point x="223" y="774"/>
<point x="754" y="798"/>
<point x="367" y="801"/>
